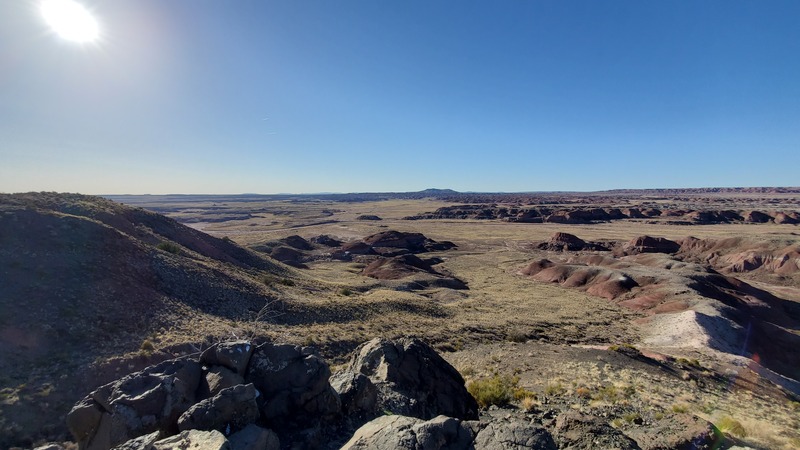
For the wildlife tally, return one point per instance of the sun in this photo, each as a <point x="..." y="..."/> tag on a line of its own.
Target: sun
<point x="70" y="20"/>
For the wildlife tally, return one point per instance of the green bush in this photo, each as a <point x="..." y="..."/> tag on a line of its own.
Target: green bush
<point x="497" y="390"/>
<point x="729" y="425"/>
<point x="169" y="247"/>
<point x="345" y="291"/>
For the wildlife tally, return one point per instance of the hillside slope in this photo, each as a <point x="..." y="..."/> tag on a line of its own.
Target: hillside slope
<point x="83" y="277"/>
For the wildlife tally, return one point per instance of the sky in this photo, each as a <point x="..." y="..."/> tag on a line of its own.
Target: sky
<point x="303" y="96"/>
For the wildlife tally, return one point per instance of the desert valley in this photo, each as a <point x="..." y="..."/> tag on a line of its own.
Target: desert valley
<point x="652" y="319"/>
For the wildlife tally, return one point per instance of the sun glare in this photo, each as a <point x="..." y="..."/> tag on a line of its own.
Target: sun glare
<point x="70" y="20"/>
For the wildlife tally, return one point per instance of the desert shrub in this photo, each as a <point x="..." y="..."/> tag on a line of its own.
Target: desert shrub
<point x="169" y="247"/>
<point x="497" y="390"/>
<point x="529" y="403"/>
<point x="632" y="417"/>
<point x="583" y="392"/>
<point x="287" y="282"/>
<point x="345" y="291"/>
<point x="554" y="389"/>
<point x="680" y="408"/>
<point x="516" y="336"/>
<point x="688" y="362"/>
<point x="729" y="425"/>
<point x="147" y="346"/>
<point x="622" y="347"/>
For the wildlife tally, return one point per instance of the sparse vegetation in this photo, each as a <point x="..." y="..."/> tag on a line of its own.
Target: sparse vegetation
<point x="147" y="346"/>
<point x="498" y="390"/>
<point x="555" y="389"/>
<point x="729" y="425"/>
<point x="680" y="408"/>
<point x="169" y="247"/>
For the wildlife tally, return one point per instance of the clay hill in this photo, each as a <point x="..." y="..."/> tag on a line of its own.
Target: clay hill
<point x="689" y="292"/>
<point x="389" y="255"/>
<point x="84" y="277"/>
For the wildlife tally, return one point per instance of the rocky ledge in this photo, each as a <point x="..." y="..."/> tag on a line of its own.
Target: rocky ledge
<point x="391" y="395"/>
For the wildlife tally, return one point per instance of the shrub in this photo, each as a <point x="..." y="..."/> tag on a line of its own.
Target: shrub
<point x="169" y="247"/>
<point x="529" y="403"/>
<point x="632" y="417"/>
<point x="497" y="390"/>
<point x="729" y="425"/>
<point x="147" y="346"/>
<point x="680" y="408"/>
<point x="517" y="336"/>
<point x="345" y="291"/>
<point x="554" y="389"/>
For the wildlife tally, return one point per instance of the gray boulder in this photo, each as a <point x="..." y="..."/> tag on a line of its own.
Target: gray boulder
<point x="233" y="355"/>
<point x="294" y="385"/>
<point x="138" y="404"/>
<point x="680" y="431"/>
<point x="401" y="432"/>
<point x="411" y="379"/>
<point x="194" y="440"/>
<point x="358" y="394"/>
<point x="253" y="437"/>
<point x="218" y="378"/>
<point x="229" y="411"/>
<point x="144" y="442"/>
<point x="515" y="434"/>
<point x="576" y="431"/>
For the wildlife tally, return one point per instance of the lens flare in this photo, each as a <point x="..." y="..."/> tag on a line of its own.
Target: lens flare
<point x="70" y="20"/>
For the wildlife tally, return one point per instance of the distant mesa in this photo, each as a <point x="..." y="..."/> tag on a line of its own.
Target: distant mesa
<point x="368" y="217"/>
<point x="584" y="215"/>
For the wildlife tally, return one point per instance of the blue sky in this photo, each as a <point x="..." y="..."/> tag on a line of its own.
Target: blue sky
<point x="200" y="96"/>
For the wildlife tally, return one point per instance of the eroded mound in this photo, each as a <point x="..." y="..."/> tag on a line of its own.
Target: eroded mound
<point x="690" y="305"/>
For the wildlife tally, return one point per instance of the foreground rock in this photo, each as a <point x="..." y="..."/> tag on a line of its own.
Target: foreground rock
<point x="411" y="379"/>
<point x="391" y="395"/>
<point x="239" y="392"/>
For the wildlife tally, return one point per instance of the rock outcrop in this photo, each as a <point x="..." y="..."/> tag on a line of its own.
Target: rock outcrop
<point x="411" y="379"/>
<point x="281" y="392"/>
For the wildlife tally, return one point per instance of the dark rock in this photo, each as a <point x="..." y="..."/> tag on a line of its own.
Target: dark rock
<point x="219" y="378"/>
<point x="358" y="394"/>
<point x="682" y="432"/>
<point x="228" y="412"/>
<point x="413" y="380"/>
<point x="233" y="355"/>
<point x="577" y="431"/>
<point x="294" y="385"/>
<point x="194" y="440"/>
<point x="368" y="217"/>
<point x="401" y="432"/>
<point x="140" y="403"/>
<point x="253" y="437"/>
<point x="514" y="434"/>
<point x="144" y="442"/>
